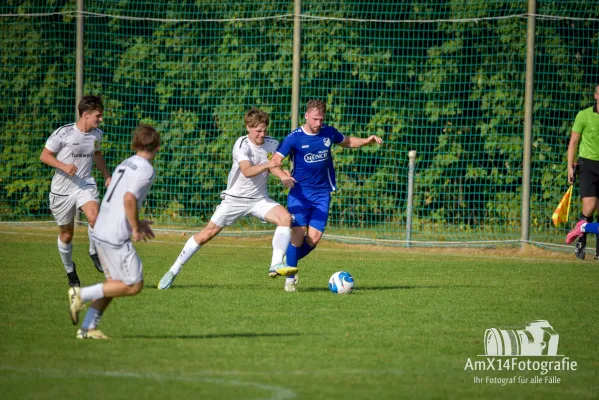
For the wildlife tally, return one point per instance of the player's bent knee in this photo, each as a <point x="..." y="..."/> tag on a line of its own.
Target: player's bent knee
<point x="136" y="288"/>
<point x="313" y="239"/>
<point x="279" y="216"/>
<point x="66" y="237"/>
<point x="312" y="242"/>
<point x="91" y="210"/>
<point x="285" y="220"/>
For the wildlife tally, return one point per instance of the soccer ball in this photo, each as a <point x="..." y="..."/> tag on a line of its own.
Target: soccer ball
<point x="341" y="283"/>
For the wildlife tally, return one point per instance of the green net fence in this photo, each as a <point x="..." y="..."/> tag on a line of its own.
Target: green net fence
<point x="444" y="78"/>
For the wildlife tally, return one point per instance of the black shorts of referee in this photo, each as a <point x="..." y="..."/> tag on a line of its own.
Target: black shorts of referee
<point x="588" y="177"/>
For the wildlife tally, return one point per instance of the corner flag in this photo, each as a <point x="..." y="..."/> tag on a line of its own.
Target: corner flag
<point x="561" y="213"/>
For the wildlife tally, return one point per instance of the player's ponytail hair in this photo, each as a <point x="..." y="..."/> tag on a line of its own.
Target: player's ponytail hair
<point x="316" y="104"/>
<point x="255" y="117"/>
<point x="145" y="138"/>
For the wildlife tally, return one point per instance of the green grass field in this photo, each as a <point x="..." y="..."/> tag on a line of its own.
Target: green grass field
<point x="226" y="330"/>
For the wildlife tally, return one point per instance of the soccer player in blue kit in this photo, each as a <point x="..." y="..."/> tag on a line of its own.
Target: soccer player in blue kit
<point x="309" y="148"/>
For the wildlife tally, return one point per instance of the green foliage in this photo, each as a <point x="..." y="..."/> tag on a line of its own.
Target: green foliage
<point x="451" y="90"/>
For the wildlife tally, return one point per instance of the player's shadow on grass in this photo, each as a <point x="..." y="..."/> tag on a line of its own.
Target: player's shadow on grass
<point x="308" y="289"/>
<point x="213" y="336"/>
<point x="312" y="289"/>
<point x="208" y="286"/>
<point x="405" y="287"/>
<point x="388" y="287"/>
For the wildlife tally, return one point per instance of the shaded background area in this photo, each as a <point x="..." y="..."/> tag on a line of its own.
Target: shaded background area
<point x="443" y="78"/>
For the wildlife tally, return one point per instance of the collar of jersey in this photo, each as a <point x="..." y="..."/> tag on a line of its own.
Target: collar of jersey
<point x="309" y="134"/>
<point x="80" y="131"/>
<point x="254" y="144"/>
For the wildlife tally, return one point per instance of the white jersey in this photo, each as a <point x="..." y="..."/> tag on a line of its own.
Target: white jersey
<point x="71" y="146"/>
<point x="135" y="175"/>
<point x="244" y="150"/>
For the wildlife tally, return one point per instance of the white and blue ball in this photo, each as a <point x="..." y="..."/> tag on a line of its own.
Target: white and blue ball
<point x="341" y="283"/>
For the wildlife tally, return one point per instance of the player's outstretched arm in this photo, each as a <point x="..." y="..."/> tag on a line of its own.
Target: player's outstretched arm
<point x="101" y="165"/>
<point x="286" y="179"/>
<point x="248" y="169"/>
<point x="48" y="158"/>
<point x="354" y="142"/>
<point x="277" y="159"/>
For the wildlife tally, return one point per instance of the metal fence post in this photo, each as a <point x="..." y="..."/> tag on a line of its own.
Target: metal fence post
<point x="295" y="77"/>
<point x="411" y="168"/>
<point x="528" y="110"/>
<point x="79" y="71"/>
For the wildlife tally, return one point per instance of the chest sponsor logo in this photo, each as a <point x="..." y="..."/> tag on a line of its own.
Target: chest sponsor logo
<point x="305" y="146"/>
<point x="322" y="155"/>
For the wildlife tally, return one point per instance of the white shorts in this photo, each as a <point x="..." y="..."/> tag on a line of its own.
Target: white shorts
<point x="120" y="263"/>
<point x="64" y="207"/>
<point x="233" y="208"/>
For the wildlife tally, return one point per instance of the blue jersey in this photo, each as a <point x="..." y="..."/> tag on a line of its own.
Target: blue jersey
<point x="312" y="159"/>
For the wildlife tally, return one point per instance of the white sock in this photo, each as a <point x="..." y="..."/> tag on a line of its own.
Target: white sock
<point x="92" y="244"/>
<point x="91" y="293"/>
<point x="92" y="318"/>
<point x="190" y="248"/>
<point x="66" y="255"/>
<point x="290" y="278"/>
<point x="280" y="241"/>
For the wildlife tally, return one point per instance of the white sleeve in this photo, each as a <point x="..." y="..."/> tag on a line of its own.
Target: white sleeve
<point x="98" y="142"/>
<point x="273" y="145"/>
<point x="140" y="181"/>
<point x="241" y="152"/>
<point x="54" y="142"/>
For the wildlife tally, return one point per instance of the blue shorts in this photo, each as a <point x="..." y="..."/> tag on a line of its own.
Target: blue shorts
<point x="312" y="211"/>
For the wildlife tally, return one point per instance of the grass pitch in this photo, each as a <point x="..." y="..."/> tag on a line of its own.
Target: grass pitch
<point x="226" y="330"/>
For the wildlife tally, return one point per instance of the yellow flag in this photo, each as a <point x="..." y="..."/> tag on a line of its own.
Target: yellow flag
<point x="561" y="213"/>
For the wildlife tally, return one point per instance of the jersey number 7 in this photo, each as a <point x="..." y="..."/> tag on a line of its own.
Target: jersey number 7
<point x="122" y="172"/>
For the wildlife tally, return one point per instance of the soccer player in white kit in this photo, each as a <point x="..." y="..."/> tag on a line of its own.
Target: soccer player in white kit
<point x="71" y="149"/>
<point x="246" y="193"/>
<point x="118" y="222"/>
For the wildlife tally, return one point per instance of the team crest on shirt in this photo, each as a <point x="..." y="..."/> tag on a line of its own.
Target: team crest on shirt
<point x="327" y="142"/>
<point x="95" y="144"/>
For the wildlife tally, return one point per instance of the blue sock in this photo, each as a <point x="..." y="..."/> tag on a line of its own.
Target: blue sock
<point x="92" y="318"/>
<point x="304" y="250"/>
<point x="592" y="227"/>
<point x="291" y="255"/>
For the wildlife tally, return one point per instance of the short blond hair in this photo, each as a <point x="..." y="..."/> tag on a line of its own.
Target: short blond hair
<point x="145" y="138"/>
<point x="255" y="117"/>
<point x="316" y="104"/>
